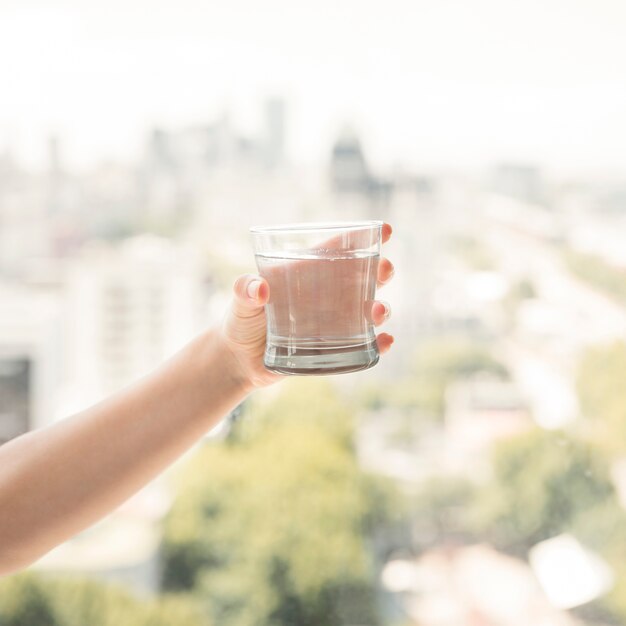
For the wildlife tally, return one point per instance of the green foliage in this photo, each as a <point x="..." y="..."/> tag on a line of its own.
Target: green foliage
<point x="523" y="290"/>
<point x="603" y="528"/>
<point x="24" y="601"/>
<point x="440" y="509"/>
<point x="425" y="391"/>
<point x="31" y="600"/>
<point x="268" y="527"/>
<point x="601" y="393"/>
<point x="174" y="609"/>
<point x="438" y="363"/>
<point x="519" y="292"/>
<point x="450" y="357"/>
<point x="373" y="396"/>
<point x="598" y="273"/>
<point x="301" y="401"/>
<point x="543" y="482"/>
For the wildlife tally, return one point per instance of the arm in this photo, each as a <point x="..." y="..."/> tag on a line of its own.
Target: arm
<point x="56" y="481"/>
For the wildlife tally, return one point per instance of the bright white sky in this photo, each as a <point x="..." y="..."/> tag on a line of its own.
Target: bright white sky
<point x="429" y="82"/>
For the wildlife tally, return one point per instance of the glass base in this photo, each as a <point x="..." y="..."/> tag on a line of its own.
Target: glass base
<point x="322" y="359"/>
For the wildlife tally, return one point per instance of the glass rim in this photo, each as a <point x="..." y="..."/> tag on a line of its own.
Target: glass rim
<point x="308" y="227"/>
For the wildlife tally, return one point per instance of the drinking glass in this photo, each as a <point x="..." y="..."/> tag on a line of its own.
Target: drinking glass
<point x="322" y="279"/>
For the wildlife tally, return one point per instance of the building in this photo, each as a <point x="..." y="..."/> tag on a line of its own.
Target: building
<point x="356" y="189"/>
<point x="275" y="132"/>
<point x="31" y="363"/>
<point x="131" y="305"/>
<point x="25" y="230"/>
<point x="15" y="396"/>
<point x="348" y="167"/>
<point x="519" y="181"/>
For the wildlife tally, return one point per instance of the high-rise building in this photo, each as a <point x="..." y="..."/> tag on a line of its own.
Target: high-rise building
<point x="349" y="170"/>
<point x="55" y="167"/>
<point x="159" y="151"/>
<point x="519" y="181"/>
<point x="131" y="306"/>
<point x="275" y="130"/>
<point x="15" y="396"/>
<point x="55" y="183"/>
<point x="9" y="169"/>
<point x="356" y="189"/>
<point x="31" y="363"/>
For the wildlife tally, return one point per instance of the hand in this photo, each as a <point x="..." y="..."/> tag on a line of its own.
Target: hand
<point x="244" y="328"/>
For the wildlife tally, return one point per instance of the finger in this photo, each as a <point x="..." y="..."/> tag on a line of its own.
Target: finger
<point x="384" y="342"/>
<point x="386" y="232"/>
<point x="385" y="271"/>
<point x="381" y="312"/>
<point x="251" y="294"/>
<point x="355" y="240"/>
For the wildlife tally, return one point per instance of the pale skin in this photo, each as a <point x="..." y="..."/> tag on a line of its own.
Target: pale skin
<point x="57" y="481"/>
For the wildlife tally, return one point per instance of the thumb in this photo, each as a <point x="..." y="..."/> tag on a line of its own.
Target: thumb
<point x="251" y="294"/>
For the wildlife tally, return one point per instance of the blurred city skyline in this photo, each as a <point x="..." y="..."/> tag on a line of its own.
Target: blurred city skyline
<point x="446" y="84"/>
<point x="139" y="141"/>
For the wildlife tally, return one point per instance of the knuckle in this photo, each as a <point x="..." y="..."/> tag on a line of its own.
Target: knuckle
<point x="241" y="285"/>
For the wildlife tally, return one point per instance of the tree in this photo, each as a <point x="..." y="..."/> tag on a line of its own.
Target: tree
<point x="543" y="482"/>
<point x="523" y="289"/>
<point x="32" y="600"/>
<point x="602" y="395"/>
<point x="603" y="401"/>
<point x="268" y="527"/>
<point x="24" y="601"/>
<point x="440" y="510"/>
<point x="598" y="273"/>
<point x="438" y="362"/>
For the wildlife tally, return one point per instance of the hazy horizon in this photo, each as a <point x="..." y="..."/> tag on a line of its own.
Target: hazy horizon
<point x="428" y="84"/>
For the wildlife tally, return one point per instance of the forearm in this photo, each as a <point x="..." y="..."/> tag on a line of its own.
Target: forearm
<point x="57" y="481"/>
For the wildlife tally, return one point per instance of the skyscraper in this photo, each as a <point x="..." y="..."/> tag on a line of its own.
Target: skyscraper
<point x="31" y="360"/>
<point x="55" y="183"/>
<point x="275" y="118"/>
<point x="354" y="185"/>
<point x="131" y="306"/>
<point x="519" y="181"/>
<point x="348" y="167"/>
<point x="15" y="396"/>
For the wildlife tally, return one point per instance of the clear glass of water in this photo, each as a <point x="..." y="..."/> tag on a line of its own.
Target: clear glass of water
<point x="322" y="280"/>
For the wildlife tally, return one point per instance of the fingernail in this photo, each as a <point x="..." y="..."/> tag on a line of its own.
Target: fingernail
<point x="253" y="289"/>
<point x="392" y="272"/>
<point x="387" y="310"/>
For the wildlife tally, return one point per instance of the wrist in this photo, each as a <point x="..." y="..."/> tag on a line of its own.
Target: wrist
<point x="218" y="359"/>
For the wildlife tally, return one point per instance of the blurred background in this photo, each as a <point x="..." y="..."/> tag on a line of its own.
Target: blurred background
<point x="477" y="475"/>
